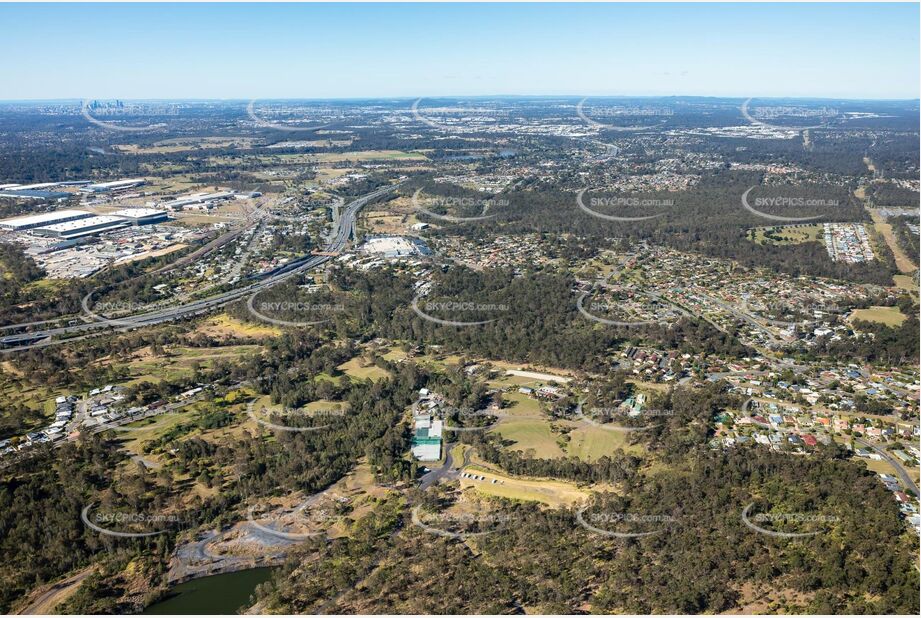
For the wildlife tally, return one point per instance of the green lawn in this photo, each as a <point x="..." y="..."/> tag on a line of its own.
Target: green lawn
<point x="890" y="316"/>
<point x="354" y="368"/>
<point x="530" y="434"/>
<point x="788" y="234"/>
<point x="589" y="443"/>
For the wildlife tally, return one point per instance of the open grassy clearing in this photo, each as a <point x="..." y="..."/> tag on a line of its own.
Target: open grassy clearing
<point x="184" y="144"/>
<point x="395" y="354"/>
<point x="222" y="325"/>
<point x="590" y="443"/>
<point x="786" y="234"/>
<point x="530" y="435"/>
<point x="370" y="155"/>
<point x="890" y="316"/>
<point x="902" y="261"/>
<point x="357" y="368"/>
<point x="907" y="283"/>
<point x="519" y="404"/>
<point x="181" y="361"/>
<point x="551" y="492"/>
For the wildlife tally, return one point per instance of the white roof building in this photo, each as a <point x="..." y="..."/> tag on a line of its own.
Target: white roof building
<point x="28" y="222"/>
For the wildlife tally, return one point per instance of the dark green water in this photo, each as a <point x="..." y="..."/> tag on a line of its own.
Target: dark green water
<point x="215" y="594"/>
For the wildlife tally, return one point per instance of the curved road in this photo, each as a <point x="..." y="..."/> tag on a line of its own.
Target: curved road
<point x="903" y="474"/>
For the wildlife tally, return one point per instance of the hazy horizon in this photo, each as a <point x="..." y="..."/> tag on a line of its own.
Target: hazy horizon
<point x="319" y="51"/>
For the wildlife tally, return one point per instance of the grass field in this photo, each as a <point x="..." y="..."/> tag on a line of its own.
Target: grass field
<point x="355" y="368"/>
<point x="519" y="404"/>
<point x="880" y="467"/>
<point x="530" y="434"/>
<point x="180" y="361"/>
<point x="553" y="493"/>
<point x="906" y="283"/>
<point x="787" y="234"/>
<point x="589" y="443"/>
<point x="223" y="325"/>
<point x="902" y="261"/>
<point x="890" y="316"/>
<point x="184" y="144"/>
<point x="370" y="155"/>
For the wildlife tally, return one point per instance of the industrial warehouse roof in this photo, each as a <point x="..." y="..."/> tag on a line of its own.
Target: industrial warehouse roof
<point x="138" y="213"/>
<point x="79" y="224"/>
<point x="44" y="218"/>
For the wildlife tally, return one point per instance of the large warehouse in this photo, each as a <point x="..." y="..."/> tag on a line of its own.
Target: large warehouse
<point x="28" y="222"/>
<point x="115" y="185"/>
<point x="82" y="227"/>
<point x="141" y="216"/>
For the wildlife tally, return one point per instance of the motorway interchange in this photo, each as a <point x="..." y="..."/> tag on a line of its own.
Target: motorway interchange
<point x="342" y="232"/>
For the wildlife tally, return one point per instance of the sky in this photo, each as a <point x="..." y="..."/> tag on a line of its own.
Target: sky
<point x="271" y="51"/>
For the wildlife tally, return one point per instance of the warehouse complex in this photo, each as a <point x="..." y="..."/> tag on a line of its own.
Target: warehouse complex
<point x="115" y="185"/>
<point x="28" y="222"/>
<point x="81" y="227"/>
<point x="68" y="224"/>
<point x="141" y="216"/>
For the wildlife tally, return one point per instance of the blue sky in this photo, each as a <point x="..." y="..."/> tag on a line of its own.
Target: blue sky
<point x="244" y="51"/>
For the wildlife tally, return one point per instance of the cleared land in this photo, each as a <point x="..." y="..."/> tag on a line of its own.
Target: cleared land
<point x="224" y="326"/>
<point x="902" y="261"/>
<point x="786" y="234"/>
<point x="550" y="492"/>
<point x="531" y="435"/>
<point x="890" y="316"/>
<point x="356" y="368"/>
<point x="589" y="443"/>
<point x="370" y="155"/>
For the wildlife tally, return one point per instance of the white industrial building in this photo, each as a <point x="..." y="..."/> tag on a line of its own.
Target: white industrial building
<point x="115" y="185"/>
<point x="141" y="216"/>
<point x="82" y="227"/>
<point x="29" y="222"/>
<point x="198" y="199"/>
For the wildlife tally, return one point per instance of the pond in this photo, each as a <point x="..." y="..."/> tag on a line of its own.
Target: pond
<point x="216" y="594"/>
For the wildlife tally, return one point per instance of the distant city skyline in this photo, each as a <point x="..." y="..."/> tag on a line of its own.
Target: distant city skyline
<point x="364" y="51"/>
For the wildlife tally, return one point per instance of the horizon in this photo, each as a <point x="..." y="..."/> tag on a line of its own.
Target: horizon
<point x="852" y="51"/>
<point x="80" y="101"/>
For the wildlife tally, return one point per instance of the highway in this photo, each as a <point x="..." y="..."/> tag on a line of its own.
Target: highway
<point x="343" y="232"/>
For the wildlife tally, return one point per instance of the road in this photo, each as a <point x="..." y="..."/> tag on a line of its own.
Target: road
<point x="436" y="474"/>
<point x="47" y="600"/>
<point x="342" y="233"/>
<point x="903" y="474"/>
